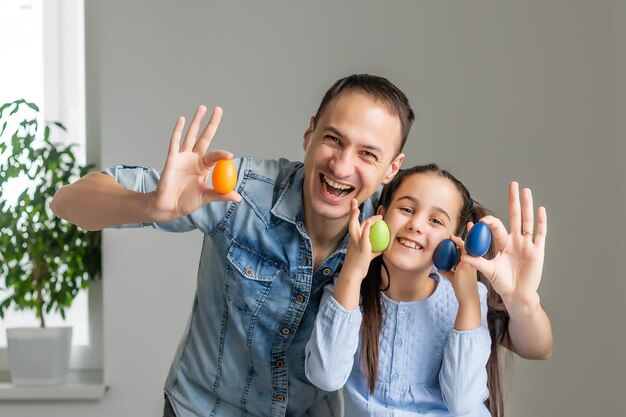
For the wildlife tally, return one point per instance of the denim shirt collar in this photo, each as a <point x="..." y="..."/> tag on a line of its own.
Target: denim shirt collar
<point x="290" y="206"/>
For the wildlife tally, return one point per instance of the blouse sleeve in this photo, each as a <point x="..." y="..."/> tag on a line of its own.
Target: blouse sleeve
<point x="463" y="375"/>
<point x="333" y="343"/>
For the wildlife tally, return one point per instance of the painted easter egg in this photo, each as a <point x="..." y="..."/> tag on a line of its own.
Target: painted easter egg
<point x="445" y="255"/>
<point x="478" y="239"/>
<point x="379" y="236"/>
<point x="224" y="176"/>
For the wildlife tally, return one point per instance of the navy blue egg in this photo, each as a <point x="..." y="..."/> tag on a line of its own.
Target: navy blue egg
<point x="445" y="255"/>
<point x="478" y="239"/>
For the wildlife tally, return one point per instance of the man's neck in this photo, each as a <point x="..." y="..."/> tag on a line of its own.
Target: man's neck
<point x="326" y="236"/>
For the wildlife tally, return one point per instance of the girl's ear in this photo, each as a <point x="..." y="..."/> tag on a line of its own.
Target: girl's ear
<point x="380" y="210"/>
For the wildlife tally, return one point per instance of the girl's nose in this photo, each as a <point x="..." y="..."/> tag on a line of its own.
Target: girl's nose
<point x="415" y="225"/>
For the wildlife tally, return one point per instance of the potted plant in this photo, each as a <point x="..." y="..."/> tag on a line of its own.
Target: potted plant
<point x="44" y="261"/>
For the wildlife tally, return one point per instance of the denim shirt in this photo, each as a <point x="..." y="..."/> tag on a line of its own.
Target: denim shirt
<point x="256" y="300"/>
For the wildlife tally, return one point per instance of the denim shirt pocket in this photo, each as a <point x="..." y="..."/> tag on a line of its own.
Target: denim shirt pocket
<point x="249" y="279"/>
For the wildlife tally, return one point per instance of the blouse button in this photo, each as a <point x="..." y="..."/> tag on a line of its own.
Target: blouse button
<point x="285" y="331"/>
<point x="300" y="298"/>
<point x="280" y="363"/>
<point x="280" y="398"/>
<point x="401" y="314"/>
<point x="326" y="271"/>
<point x="249" y="272"/>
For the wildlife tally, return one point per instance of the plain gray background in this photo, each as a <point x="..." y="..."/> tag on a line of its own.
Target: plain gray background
<point x="529" y="90"/>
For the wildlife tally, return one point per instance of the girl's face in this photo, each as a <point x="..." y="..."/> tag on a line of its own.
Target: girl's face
<point x="424" y="210"/>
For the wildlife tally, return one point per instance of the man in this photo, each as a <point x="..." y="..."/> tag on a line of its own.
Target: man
<point x="269" y="247"/>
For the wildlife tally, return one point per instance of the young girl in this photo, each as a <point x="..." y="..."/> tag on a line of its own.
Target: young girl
<point x="420" y="343"/>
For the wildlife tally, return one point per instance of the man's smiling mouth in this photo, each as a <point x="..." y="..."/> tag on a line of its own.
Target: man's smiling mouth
<point x="334" y="188"/>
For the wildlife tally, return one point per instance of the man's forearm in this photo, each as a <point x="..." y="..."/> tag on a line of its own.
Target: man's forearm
<point x="97" y="201"/>
<point x="530" y="330"/>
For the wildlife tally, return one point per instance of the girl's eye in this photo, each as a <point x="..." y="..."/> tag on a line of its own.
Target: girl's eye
<point x="407" y="210"/>
<point x="437" y="221"/>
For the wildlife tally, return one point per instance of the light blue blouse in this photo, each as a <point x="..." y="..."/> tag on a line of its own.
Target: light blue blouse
<point x="425" y="367"/>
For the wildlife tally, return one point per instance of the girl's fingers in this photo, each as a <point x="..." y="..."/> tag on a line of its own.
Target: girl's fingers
<point x="353" y="226"/>
<point x="498" y="231"/>
<point x="458" y="242"/>
<point x="480" y="264"/>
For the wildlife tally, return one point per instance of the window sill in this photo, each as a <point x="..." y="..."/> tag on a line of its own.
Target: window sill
<point x="87" y="385"/>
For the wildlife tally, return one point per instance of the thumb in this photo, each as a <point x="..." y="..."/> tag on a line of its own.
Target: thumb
<point x="485" y="266"/>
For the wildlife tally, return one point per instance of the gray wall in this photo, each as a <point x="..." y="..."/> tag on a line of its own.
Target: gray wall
<point x="533" y="91"/>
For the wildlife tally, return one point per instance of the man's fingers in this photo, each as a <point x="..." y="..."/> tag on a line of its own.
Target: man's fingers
<point x="528" y="216"/>
<point x="515" y="211"/>
<point x="194" y="127"/>
<point x="210" y="158"/>
<point x="209" y="131"/>
<point x="210" y="195"/>
<point x="542" y="227"/>
<point x="176" y="135"/>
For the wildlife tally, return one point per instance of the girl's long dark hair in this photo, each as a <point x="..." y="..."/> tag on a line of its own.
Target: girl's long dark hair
<point x="497" y="316"/>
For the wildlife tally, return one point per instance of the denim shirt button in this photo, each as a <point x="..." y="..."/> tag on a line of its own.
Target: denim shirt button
<point x="300" y="298"/>
<point x="285" y="331"/>
<point x="326" y="271"/>
<point x="280" y="398"/>
<point x="249" y="272"/>
<point x="280" y="363"/>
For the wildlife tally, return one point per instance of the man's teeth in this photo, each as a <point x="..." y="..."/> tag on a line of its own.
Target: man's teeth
<point x="336" y="184"/>
<point x="409" y="243"/>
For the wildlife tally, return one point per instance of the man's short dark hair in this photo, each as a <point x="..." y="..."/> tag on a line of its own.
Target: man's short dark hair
<point x="381" y="90"/>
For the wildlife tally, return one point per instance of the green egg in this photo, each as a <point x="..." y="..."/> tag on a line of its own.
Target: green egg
<point x="379" y="236"/>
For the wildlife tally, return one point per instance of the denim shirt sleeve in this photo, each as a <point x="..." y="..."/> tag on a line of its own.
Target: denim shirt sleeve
<point x="145" y="180"/>
<point x="463" y="375"/>
<point x="333" y="343"/>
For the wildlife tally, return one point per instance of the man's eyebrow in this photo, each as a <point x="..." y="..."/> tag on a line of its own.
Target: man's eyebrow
<point x="336" y="131"/>
<point x="415" y="200"/>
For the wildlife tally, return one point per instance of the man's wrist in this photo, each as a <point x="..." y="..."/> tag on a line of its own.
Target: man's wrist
<point x="522" y="305"/>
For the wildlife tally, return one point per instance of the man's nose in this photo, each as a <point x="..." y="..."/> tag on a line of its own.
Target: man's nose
<point x="342" y="164"/>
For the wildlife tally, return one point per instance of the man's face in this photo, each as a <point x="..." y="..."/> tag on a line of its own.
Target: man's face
<point x="349" y="152"/>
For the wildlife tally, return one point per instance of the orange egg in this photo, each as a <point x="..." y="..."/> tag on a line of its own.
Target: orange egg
<point x="224" y="177"/>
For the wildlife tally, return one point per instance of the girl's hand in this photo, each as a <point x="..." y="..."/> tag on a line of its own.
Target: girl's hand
<point x="465" y="284"/>
<point x="515" y="271"/>
<point x="359" y="253"/>
<point x="357" y="261"/>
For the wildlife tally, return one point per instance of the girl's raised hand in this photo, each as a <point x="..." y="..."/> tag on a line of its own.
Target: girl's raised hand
<point x="183" y="185"/>
<point x="465" y="284"/>
<point x="463" y="278"/>
<point x="359" y="253"/>
<point x="515" y="271"/>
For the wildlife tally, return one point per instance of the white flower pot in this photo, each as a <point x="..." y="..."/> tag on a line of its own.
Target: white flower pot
<point x="39" y="356"/>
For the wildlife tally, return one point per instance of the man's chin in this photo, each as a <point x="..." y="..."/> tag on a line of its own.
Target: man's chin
<point x="332" y="211"/>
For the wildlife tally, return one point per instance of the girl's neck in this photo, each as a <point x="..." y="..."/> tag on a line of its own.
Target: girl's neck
<point x="408" y="286"/>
